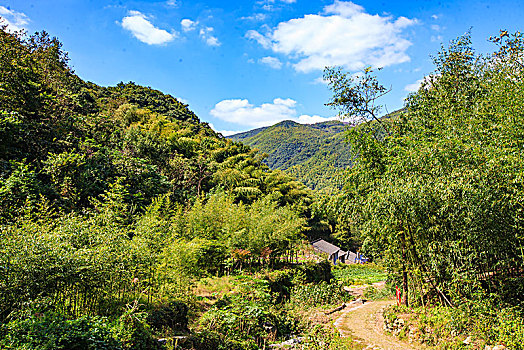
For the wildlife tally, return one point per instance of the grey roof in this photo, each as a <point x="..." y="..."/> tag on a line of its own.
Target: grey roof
<point x="351" y="257"/>
<point x="325" y="247"/>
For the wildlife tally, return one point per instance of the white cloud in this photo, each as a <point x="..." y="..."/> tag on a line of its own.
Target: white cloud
<point x="241" y="112"/>
<point x="259" y="38"/>
<point x="224" y="132"/>
<point x="14" y="20"/>
<point x="435" y="27"/>
<point x="272" y="62"/>
<point x="312" y="119"/>
<point x="435" y="17"/>
<point x="436" y="38"/>
<point x="414" y="86"/>
<point x="271" y="5"/>
<point x="345" y="9"/>
<point x="209" y="39"/>
<point x="205" y="33"/>
<point x="255" y="17"/>
<point x="183" y="100"/>
<point x="142" y="29"/>
<point x="320" y="80"/>
<point x="267" y="3"/>
<point x="228" y="132"/>
<point x="344" y="35"/>
<point x="188" y="25"/>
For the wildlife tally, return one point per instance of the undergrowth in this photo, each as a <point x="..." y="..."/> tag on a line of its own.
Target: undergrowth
<point x="354" y="274"/>
<point x="472" y="325"/>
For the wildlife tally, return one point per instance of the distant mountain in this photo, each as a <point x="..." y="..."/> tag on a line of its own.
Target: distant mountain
<point x="314" y="153"/>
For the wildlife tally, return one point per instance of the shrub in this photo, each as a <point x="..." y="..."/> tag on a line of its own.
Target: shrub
<point x="280" y="284"/>
<point x="322" y="293"/>
<point x="249" y="314"/>
<point x="172" y="316"/>
<point x="133" y="332"/>
<point x="483" y="320"/>
<point x="55" y="332"/>
<point x="210" y="340"/>
<point x="316" y="272"/>
<point x="239" y="318"/>
<point x="510" y="329"/>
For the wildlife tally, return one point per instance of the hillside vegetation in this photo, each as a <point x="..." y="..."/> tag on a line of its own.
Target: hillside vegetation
<point x="117" y="201"/>
<point x="314" y="153"/>
<point x="70" y="141"/>
<point x="438" y="193"/>
<point x="125" y="222"/>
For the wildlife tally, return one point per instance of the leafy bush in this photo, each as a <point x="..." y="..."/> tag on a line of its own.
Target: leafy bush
<point x="211" y="340"/>
<point x="51" y="331"/>
<point x="280" y="284"/>
<point x="240" y="318"/>
<point x="250" y="313"/>
<point x="509" y="329"/>
<point x="172" y="316"/>
<point x="55" y="332"/>
<point x="133" y="332"/>
<point x="315" y="272"/>
<point x="322" y="293"/>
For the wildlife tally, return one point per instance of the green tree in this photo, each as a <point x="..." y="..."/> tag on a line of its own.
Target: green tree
<point x="437" y="198"/>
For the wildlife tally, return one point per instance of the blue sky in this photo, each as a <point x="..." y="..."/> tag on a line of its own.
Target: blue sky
<point x="246" y="64"/>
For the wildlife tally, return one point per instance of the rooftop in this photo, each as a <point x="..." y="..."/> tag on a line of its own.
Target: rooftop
<point x="324" y="246"/>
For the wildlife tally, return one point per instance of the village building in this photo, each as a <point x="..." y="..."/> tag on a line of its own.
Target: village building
<point x="335" y="254"/>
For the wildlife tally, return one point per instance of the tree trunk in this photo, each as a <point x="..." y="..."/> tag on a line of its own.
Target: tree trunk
<point x="405" y="297"/>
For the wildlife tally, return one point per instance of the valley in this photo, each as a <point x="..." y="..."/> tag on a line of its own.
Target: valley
<point x="127" y="222"/>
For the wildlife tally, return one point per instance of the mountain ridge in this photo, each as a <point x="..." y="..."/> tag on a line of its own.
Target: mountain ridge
<point x="314" y="153"/>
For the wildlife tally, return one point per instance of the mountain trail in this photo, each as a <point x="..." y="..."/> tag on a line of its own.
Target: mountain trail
<point x="365" y="322"/>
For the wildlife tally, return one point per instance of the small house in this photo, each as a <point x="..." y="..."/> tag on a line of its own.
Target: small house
<point x="331" y="250"/>
<point x="335" y="254"/>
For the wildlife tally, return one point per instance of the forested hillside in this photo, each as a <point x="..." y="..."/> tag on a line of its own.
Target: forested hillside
<point x="314" y="153"/>
<point x="437" y="194"/>
<point x="116" y="201"/>
<point x="126" y="223"/>
<point x="70" y="141"/>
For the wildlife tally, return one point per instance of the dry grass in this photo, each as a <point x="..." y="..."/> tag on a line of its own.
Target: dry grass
<point x="211" y="287"/>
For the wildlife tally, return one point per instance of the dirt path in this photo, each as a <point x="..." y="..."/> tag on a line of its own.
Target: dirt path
<point x="364" y="321"/>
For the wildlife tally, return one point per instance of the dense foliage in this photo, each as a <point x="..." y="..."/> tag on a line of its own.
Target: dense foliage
<point x="439" y="195"/>
<point x="485" y="324"/>
<point x="71" y="141"/>
<point x="315" y="153"/>
<point x="115" y="201"/>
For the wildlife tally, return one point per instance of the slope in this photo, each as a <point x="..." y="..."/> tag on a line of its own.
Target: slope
<point x="72" y="142"/>
<point x="314" y="153"/>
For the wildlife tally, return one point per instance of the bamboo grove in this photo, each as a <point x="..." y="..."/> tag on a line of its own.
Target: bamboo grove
<point x="110" y="195"/>
<point x="438" y="190"/>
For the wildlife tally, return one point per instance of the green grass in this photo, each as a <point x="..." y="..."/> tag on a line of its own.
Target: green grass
<point x="359" y="273"/>
<point x="214" y="285"/>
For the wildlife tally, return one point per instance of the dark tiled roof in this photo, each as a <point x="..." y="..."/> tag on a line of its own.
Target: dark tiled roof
<point x="325" y="247"/>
